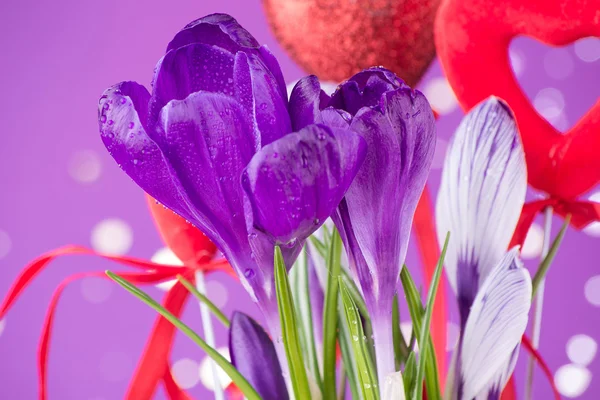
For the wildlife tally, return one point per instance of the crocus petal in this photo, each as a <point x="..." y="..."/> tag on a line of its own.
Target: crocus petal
<point x="220" y="30"/>
<point x="376" y="214"/>
<point x="207" y="140"/>
<point x="494" y="389"/>
<point x="364" y="89"/>
<point x="393" y="388"/>
<point x="190" y="69"/>
<point x="481" y="195"/>
<point x="273" y="65"/>
<point x="497" y="321"/>
<point x="294" y="184"/>
<point x="123" y="110"/>
<point x="253" y="354"/>
<point x="305" y="103"/>
<point x="258" y="91"/>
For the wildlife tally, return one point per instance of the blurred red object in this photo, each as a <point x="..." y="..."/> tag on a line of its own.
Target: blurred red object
<point x="188" y="243"/>
<point x="335" y="39"/>
<point x="473" y="37"/>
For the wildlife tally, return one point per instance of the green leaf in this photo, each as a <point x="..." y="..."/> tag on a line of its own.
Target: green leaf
<point x="367" y="378"/>
<point x="289" y="329"/>
<point x="410" y="374"/>
<point x="348" y="360"/>
<point x="301" y="293"/>
<point x="211" y="306"/>
<point x="330" y="317"/>
<point x="229" y="369"/>
<point x="427" y="359"/>
<point x="424" y="336"/>
<point x="545" y="265"/>
<point x="355" y="294"/>
<point x="319" y="246"/>
<point x="415" y="307"/>
<point x="400" y="347"/>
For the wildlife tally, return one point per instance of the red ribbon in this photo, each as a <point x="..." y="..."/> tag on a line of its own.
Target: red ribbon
<point x="582" y="213"/>
<point x="152" y="273"/>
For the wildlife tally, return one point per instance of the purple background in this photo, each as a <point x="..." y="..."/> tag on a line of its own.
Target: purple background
<point x="57" y="58"/>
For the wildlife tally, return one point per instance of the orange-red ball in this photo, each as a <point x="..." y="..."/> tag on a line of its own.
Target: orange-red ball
<point x="336" y="38"/>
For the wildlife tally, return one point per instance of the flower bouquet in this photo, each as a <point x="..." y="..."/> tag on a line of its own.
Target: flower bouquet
<point x="310" y="198"/>
<point x="219" y="143"/>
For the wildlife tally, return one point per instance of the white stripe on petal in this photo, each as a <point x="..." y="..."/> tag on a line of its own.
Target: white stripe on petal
<point x="497" y="321"/>
<point x="481" y="195"/>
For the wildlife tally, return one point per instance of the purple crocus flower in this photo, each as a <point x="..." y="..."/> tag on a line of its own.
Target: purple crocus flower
<point x="219" y="108"/>
<point x="480" y="199"/>
<point x="253" y="354"/>
<point x="375" y="217"/>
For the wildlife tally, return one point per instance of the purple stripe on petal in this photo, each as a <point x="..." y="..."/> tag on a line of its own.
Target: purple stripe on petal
<point x="123" y="109"/>
<point x="481" y="196"/>
<point x="497" y="384"/>
<point x="216" y="29"/>
<point x="496" y="323"/>
<point x="254" y="356"/>
<point x="295" y="183"/>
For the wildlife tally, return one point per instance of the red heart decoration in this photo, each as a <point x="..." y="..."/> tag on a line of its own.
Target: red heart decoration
<point x="472" y="38"/>
<point x="335" y="39"/>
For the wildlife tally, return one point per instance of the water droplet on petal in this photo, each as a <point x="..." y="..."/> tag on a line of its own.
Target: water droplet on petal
<point x="131" y="125"/>
<point x="103" y="118"/>
<point x="249" y="273"/>
<point x="355" y="338"/>
<point x="317" y="221"/>
<point x="106" y="106"/>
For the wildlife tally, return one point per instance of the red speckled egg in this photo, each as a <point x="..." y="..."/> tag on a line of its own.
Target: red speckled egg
<point x="336" y="38"/>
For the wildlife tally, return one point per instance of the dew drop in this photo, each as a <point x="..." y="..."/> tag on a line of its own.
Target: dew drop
<point x="110" y="122"/>
<point x="135" y="161"/>
<point x="355" y="338"/>
<point x="316" y="221"/>
<point x="131" y="125"/>
<point x="106" y="106"/>
<point x="275" y="155"/>
<point x="103" y="119"/>
<point x="249" y="273"/>
<point x="123" y="100"/>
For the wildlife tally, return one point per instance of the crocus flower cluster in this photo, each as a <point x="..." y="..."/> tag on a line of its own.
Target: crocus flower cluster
<point x="219" y="143"/>
<point x="214" y="143"/>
